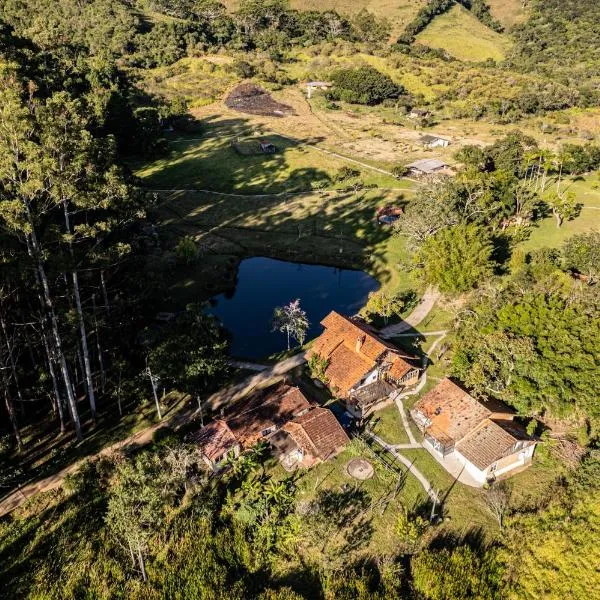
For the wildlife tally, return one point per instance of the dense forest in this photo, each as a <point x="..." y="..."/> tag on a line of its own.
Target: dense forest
<point x="83" y="270"/>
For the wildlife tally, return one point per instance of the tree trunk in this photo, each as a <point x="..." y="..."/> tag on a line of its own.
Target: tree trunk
<point x="141" y="561"/>
<point x="84" y="346"/>
<point x="558" y="218"/>
<point x="119" y="392"/>
<point x="153" y="383"/>
<point x="99" y="346"/>
<point x="10" y="408"/>
<point x="104" y="292"/>
<point x="57" y="398"/>
<point x="11" y="358"/>
<point x="35" y="252"/>
<point x="131" y="554"/>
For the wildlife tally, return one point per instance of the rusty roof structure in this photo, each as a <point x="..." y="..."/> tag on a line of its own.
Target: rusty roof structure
<point x="265" y="409"/>
<point x="353" y="349"/>
<point x="318" y="432"/>
<point x="483" y="431"/>
<point x="215" y="439"/>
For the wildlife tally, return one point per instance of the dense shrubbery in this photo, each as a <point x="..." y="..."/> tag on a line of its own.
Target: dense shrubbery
<point x="364" y="85"/>
<point x="561" y="40"/>
<point x="531" y="342"/>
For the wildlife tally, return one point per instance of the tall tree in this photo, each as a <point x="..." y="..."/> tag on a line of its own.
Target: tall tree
<point x="291" y="320"/>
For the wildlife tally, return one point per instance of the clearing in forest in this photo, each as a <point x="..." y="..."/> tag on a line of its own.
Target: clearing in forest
<point x="463" y="36"/>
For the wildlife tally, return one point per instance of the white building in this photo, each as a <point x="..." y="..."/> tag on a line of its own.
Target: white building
<point x="481" y="437"/>
<point x="428" y="166"/>
<point x="434" y="141"/>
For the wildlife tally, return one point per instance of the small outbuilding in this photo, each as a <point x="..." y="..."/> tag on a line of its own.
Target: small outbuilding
<point x="419" y="113"/>
<point x="428" y="166"/>
<point x="434" y="141"/>
<point x="267" y="147"/>
<point x="311" y="86"/>
<point x="217" y="443"/>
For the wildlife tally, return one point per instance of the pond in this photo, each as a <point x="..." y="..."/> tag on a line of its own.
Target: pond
<point x="264" y="283"/>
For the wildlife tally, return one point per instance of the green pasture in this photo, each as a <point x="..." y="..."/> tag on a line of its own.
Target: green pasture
<point x="211" y="163"/>
<point x="463" y="36"/>
<point x="587" y="191"/>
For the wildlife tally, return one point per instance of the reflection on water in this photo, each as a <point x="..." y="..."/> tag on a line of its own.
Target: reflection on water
<point x="264" y="283"/>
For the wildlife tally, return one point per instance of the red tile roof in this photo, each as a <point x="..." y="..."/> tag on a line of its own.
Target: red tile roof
<point x="215" y="439"/>
<point x="318" y="432"/>
<point x="491" y="442"/>
<point x="263" y="410"/>
<point x="353" y="350"/>
<point x="454" y="412"/>
<point x="482" y="431"/>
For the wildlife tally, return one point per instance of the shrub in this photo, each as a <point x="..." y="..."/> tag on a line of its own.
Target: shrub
<point x="186" y="250"/>
<point x="364" y="85"/>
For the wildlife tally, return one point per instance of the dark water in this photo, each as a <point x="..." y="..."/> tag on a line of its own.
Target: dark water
<point x="264" y="283"/>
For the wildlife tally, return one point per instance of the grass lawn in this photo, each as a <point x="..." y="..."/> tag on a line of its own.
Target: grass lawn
<point x="387" y="424"/>
<point x="546" y="234"/>
<point x="199" y="81"/>
<point x="508" y="12"/>
<point x="328" y="228"/>
<point x="463" y="36"/>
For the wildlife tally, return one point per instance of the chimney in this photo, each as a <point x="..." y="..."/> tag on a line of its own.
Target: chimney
<point x="359" y="342"/>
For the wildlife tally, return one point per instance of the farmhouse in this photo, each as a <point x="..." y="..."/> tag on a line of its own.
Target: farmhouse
<point x="434" y="141"/>
<point x="481" y="437"/>
<point x="362" y="369"/>
<point x="217" y="443"/>
<point x="311" y="438"/>
<point x="428" y="166"/>
<point x="300" y="434"/>
<point x="265" y="412"/>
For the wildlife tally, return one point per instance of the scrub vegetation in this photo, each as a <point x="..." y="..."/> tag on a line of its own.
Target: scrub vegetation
<point x="132" y="184"/>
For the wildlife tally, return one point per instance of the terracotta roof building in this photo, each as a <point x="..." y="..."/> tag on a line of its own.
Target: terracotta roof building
<point x="358" y="357"/>
<point x="482" y="435"/>
<point x="264" y="412"/>
<point x="318" y="433"/>
<point x="217" y="442"/>
<point x="299" y="433"/>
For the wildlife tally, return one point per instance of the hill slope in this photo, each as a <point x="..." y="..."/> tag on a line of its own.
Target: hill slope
<point x="398" y="12"/>
<point x="463" y="36"/>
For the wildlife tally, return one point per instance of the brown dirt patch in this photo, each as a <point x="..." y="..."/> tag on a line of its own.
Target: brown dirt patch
<point x="252" y="99"/>
<point x="360" y="469"/>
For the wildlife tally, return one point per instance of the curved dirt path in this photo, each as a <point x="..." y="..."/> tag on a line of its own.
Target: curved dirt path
<point x="142" y="438"/>
<point x="430" y="297"/>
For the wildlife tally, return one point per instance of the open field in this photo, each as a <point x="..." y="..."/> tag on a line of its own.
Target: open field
<point x="212" y="163"/>
<point x="508" y="12"/>
<point x="463" y="36"/>
<point x="587" y="191"/>
<point x="327" y="228"/>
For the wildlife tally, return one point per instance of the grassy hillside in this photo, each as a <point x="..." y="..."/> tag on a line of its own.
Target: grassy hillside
<point x="399" y="12"/>
<point x="508" y="12"/>
<point x="464" y="37"/>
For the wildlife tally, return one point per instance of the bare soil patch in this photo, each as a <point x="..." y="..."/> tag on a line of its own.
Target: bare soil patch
<point x="360" y="469"/>
<point x="252" y="99"/>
